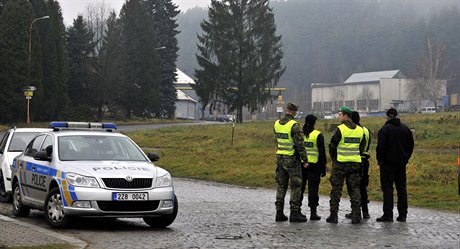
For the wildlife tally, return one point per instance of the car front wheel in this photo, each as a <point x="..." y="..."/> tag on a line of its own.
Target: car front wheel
<point x="19" y="209"/>
<point x="4" y="196"/>
<point x="163" y="221"/>
<point x="54" y="209"/>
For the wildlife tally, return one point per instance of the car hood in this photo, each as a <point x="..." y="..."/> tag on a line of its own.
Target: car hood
<point x="112" y="169"/>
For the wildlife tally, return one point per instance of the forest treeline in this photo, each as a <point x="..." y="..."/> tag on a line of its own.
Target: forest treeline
<point x="104" y="65"/>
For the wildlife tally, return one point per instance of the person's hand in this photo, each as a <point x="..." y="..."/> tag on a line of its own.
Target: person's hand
<point x="305" y="165"/>
<point x="323" y="170"/>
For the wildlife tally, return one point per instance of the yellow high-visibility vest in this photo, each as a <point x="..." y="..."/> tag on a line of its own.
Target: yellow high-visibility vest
<point x="311" y="146"/>
<point x="284" y="138"/>
<point x="348" y="148"/>
<point x="368" y="141"/>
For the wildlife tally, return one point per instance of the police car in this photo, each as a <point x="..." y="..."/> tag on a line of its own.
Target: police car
<point x="84" y="169"/>
<point x="13" y="144"/>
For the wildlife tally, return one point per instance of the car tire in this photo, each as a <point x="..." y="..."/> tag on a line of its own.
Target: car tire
<point x="4" y="196"/>
<point x="54" y="209"/>
<point x="19" y="209"/>
<point x="163" y="221"/>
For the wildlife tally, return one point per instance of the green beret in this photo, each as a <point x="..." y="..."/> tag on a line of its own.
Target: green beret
<point x="346" y="110"/>
<point x="292" y="107"/>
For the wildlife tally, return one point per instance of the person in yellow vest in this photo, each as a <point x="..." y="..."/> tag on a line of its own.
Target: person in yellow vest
<point x="289" y="138"/>
<point x="364" y="172"/>
<point x="316" y="153"/>
<point x="346" y="146"/>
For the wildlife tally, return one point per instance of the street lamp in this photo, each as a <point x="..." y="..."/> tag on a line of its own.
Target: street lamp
<point x="30" y="37"/>
<point x="29" y="90"/>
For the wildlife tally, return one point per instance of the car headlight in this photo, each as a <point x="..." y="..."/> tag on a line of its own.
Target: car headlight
<point x="81" y="181"/>
<point x="163" y="181"/>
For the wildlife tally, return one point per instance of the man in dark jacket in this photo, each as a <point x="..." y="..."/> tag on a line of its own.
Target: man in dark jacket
<point x="394" y="149"/>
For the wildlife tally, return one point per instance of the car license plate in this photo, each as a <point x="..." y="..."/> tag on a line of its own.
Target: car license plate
<point x="130" y="196"/>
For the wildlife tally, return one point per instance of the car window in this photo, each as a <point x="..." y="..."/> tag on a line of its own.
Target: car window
<point x="3" y="142"/>
<point x="20" y="140"/>
<point x="34" y="146"/>
<point x="48" y="141"/>
<point x="95" y="148"/>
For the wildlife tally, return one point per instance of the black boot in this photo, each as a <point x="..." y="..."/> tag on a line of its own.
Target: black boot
<point x="301" y="214"/>
<point x="313" y="215"/>
<point x="280" y="216"/>
<point x="332" y="218"/>
<point x="355" y="220"/>
<point x="296" y="216"/>
<point x="385" y="218"/>
<point x="365" y="212"/>
<point x="356" y="216"/>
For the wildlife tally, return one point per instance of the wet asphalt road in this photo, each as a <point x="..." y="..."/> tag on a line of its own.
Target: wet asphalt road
<point x="215" y="215"/>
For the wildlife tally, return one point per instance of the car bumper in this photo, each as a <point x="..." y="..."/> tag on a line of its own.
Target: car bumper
<point x="160" y="202"/>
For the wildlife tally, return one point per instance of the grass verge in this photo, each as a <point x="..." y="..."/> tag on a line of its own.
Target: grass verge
<point x="205" y="152"/>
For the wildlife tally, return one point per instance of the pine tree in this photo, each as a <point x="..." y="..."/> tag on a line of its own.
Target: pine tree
<point x="109" y="67"/>
<point x="15" y="20"/>
<point x="163" y="14"/>
<point x="242" y="36"/>
<point x="207" y="80"/>
<point x="141" y="68"/>
<point x="51" y="74"/>
<point x="80" y="49"/>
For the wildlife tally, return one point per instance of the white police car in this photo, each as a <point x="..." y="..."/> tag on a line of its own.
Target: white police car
<point x="83" y="169"/>
<point x="13" y="144"/>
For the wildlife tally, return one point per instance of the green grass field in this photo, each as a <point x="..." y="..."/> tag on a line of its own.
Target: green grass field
<point x="205" y="152"/>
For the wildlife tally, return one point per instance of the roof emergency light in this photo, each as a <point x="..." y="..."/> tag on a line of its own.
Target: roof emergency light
<point x="60" y="125"/>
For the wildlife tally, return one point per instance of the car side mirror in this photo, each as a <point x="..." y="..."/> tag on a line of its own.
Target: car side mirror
<point x="153" y="156"/>
<point x="42" y="156"/>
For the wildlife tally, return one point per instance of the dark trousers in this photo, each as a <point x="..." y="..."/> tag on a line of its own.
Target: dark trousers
<point x="312" y="175"/>
<point x="389" y="175"/>
<point x="363" y="184"/>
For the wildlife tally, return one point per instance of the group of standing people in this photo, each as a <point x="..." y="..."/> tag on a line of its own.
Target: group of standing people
<point x="301" y="159"/>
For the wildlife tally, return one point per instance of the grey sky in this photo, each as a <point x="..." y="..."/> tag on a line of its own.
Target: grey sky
<point x="71" y="8"/>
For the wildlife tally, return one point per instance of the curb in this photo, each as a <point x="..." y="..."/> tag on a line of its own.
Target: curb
<point x="70" y="240"/>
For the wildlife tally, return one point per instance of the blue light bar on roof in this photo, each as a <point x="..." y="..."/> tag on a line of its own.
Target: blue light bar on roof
<point x="109" y="126"/>
<point x="82" y="125"/>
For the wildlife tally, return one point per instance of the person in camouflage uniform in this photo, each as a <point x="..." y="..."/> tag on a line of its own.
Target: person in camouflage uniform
<point x="289" y="138"/>
<point x="364" y="172"/>
<point x="346" y="146"/>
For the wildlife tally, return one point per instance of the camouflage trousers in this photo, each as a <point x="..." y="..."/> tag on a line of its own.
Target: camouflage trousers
<point x="349" y="172"/>
<point x="288" y="174"/>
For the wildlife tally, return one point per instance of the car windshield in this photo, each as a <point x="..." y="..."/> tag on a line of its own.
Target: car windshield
<point x="20" y="141"/>
<point x="97" y="148"/>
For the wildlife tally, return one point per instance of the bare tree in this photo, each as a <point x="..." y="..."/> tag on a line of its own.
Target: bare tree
<point x="338" y="97"/>
<point x="432" y="69"/>
<point x="367" y="95"/>
<point x="96" y="15"/>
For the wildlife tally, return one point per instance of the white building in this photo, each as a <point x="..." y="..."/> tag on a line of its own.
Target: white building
<point x="369" y="92"/>
<point x="187" y="104"/>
